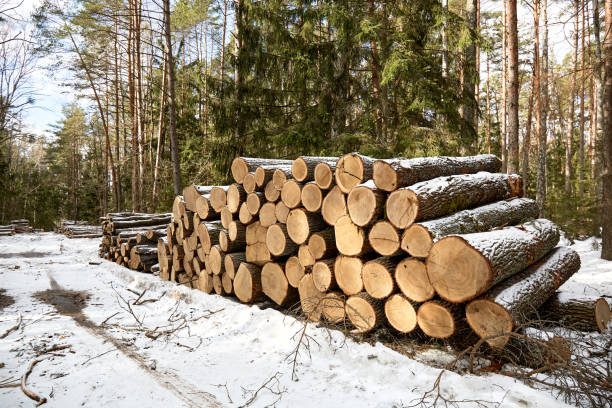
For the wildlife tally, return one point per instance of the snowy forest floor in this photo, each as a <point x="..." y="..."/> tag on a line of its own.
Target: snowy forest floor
<point x="177" y="347"/>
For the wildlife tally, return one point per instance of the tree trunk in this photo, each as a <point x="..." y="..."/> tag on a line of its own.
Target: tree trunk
<point x="470" y="74"/>
<point x="160" y="131"/>
<point x="581" y="118"/>
<point x="542" y="113"/>
<point x="504" y="90"/>
<point x="569" y="137"/>
<point x="418" y="239"/>
<point x="513" y="88"/>
<point x="606" y="249"/>
<point x="577" y="314"/>
<point x="510" y="304"/>
<point x="446" y="195"/>
<point x="461" y="267"/>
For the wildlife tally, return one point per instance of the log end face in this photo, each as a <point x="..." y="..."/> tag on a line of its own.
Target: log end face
<point x="243" y="284"/>
<point x="239" y="169"/>
<point x="488" y="319"/>
<point x="312" y="197"/>
<point x="310" y="298"/>
<point x="274" y="283"/>
<point x="249" y="183"/>
<point x="417" y="241"/>
<point x="603" y="316"/>
<point x="384" y="238"/>
<point x="347" y="271"/>
<point x="457" y="271"/>
<point x="349" y="237"/>
<point x="298" y="227"/>
<point x="400" y="313"/>
<point x="402" y="208"/>
<point x="412" y="280"/>
<point x="349" y="172"/>
<point x="253" y="203"/>
<point x="323" y="175"/>
<point x="361" y="313"/>
<point x="385" y="177"/>
<point x="291" y="193"/>
<point x="334" y="206"/>
<point x="321" y="276"/>
<point x="278" y="179"/>
<point x="361" y="204"/>
<point x="299" y="169"/>
<point x="334" y="307"/>
<point x="294" y="271"/>
<point x="276" y="240"/>
<point x="233" y="198"/>
<point x="377" y="281"/>
<point x="436" y="320"/>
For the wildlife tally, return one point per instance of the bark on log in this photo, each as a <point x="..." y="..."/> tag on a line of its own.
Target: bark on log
<point x="377" y="276"/>
<point x="351" y="240"/>
<point x="267" y="214"/>
<point x="312" y="197"/>
<point x="365" y="203"/>
<point x="281" y="211"/>
<point x="364" y="312"/>
<point x="577" y="314"/>
<point x="322" y="244"/>
<point x="241" y="166"/>
<point x="418" y="239"/>
<point x="401" y="313"/>
<point x="303" y="168"/>
<point x="461" y="267"/>
<point x="439" y="319"/>
<point x="323" y="275"/>
<point x="295" y="271"/>
<point x="390" y="175"/>
<point x="324" y="175"/>
<point x="311" y="298"/>
<point x="247" y="283"/>
<point x="384" y="238"/>
<point x="300" y="224"/>
<point x="291" y="194"/>
<point x="275" y="286"/>
<point x="512" y="302"/>
<point x="352" y="169"/>
<point x="334" y="307"/>
<point x="334" y="206"/>
<point x="412" y="280"/>
<point x="232" y="262"/>
<point x="218" y="197"/>
<point x="347" y="270"/>
<point x="278" y="241"/>
<point x="446" y="195"/>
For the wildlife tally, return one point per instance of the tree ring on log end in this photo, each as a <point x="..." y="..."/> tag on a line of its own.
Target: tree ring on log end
<point x="412" y="280"/>
<point x="299" y="169"/>
<point x="291" y="193"/>
<point x="602" y="314"/>
<point x="487" y="319"/>
<point x="400" y="313"/>
<point x="333" y="307"/>
<point x="349" y="237"/>
<point x="385" y="176"/>
<point x="417" y="241"/>
<point x="312" y="197"/>
<point x="239" y="169"/>
<point x="377" y="280"/>
<point x="348" y="274"/>
<point x="361" y="313"/>
<point x="384" y="238"/>
<point x="276" y="240"/>
<point x="436" y="320"/>
<point x="298" y="226"/>
<point x="274" y="283"/>
<point x="402" y="208"/>
<point x="323" y="175"/>
<point x="349" y="172"/>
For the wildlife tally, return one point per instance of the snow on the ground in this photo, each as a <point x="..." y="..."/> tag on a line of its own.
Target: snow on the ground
<point x="212" y="351"/>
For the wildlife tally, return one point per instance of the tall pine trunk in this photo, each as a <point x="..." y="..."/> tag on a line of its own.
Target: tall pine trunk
<point x="581" y="119"/>
<point x="570" y="119"/>
<point x="513" y="88"/>
<point x="542" y="111"/>
<point x="504" y="95"/>
<point x="606" y="249"/>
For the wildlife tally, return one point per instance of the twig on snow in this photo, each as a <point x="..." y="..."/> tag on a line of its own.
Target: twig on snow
<point x="270" y="382"/>
<point x="28" y="393"/>
<point x="12" y="329"/>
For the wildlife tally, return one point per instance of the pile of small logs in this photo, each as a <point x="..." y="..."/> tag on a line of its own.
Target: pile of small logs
<point x="6" y="230"/>
<point x="440" y="246"/>
<point x="80" y="229"/>
<point x="130" y="239"/>
<point x="21" y="226"/>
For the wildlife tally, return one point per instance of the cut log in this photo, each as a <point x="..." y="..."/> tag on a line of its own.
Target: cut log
<point x="577" y="314"/>
<point x="334" y="307"/>
<point x="401" y="313"/>
<point x="323" y="275"/>
<point x="347" y="271"/>
<point x="390" y="175"/>
<point x="226" y="217"/>
<point x="353" y="169"/>
<point x="412" y="280"/>
<point x="271" y="193"/>
<point x="438" y="319"/>
<point x="205" y="283"/>
<point x="281" y="212"/>
<point x="198" y="266"/>
<point x="227" y="282"/>
<point x="295" y="271"/>
<point x="204" y="209"/>
<point x="252" y="232"/>
<point x="291" y="193"/>
<point x="258" y="253"/>
<point x="275" y="285"/>
<point x="208" y="234"/>
<point x="300" y="224"/>
<point x="254" y="202"/>
<point x="324" y="175"/>
<point x="241" y="166"/>
<point x="249" y="183"/>
<point x="245" y="216"/>
<point x="267" y="214"/>
<point x="511" y="303"/>
<point x="461" y="267"/>
<point x="235" y="196"/>
<point x="311" y="299"/>
<point x="303" y="168"/>
<point x="247" y="283"/>
<point x="218" y="285"/>
<point x="278" y="241"/>
<point x="377" y="276"/>
<point x="364" y="312"/>
<point x="446" y="195"/>
<point x="418" y="239"/>
<point x="322" y="244"/>
<point x="312" y="197"/>
<point x="178" y="207"/>
<point x="227" y="245"/>
<point x="305" y="256"/>
<point x="280" y="176"/>
<point x="216" y="260"/>
<point x="191" y="194"/>
<point x="232" y="262"/>
<point x="237" y="232"/>
<point x="365" y="203"/>
<point x="265" y="174"/>
<point x="334" y="206"/>
<point x="218" y="197"/>
<point x="384" y="238"/>
<point x="350" y="239"/>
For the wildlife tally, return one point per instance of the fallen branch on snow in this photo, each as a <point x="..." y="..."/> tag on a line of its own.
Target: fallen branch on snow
<point x="28" y="393"/>
<point x="12" y="329"/>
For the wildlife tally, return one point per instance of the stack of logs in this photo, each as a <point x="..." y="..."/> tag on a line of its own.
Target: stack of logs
<point x="80" y="229"/>
<point x="21" y="226"/>
<point x="130" y="239"/>
<point x="6" y="230"/>
<point x="441" y="246"/>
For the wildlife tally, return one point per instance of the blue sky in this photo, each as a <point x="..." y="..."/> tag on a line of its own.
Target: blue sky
<point x="51" y="96"/>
